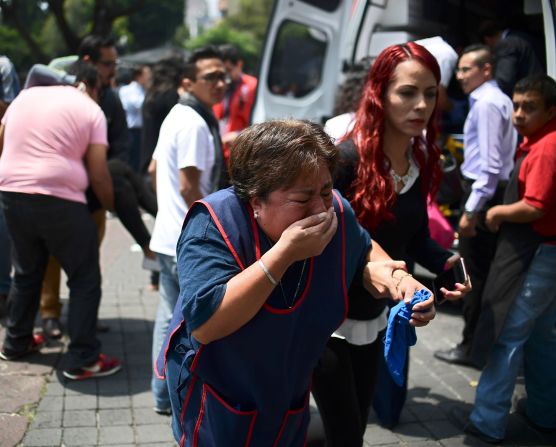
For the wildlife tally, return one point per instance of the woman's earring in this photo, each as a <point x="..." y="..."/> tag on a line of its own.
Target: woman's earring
<point x="256" y="214"/>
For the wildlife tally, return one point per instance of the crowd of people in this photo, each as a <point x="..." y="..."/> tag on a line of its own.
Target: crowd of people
<point x="284" y="251"/>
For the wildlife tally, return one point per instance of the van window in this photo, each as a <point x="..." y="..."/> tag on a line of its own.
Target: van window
<point x="297" y="60"/>
<point x="327" y="5"/>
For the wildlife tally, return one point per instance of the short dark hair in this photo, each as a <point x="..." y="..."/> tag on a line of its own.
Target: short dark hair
<point x="484" y="57"/>
<point x="350" y="92"/>
<point x="270" y="156"/>
<point x="489" y="28"/>
<point x="230" y="53"/>
<point x="542" y="84"/>
<point x="207" y="52"/>
<point x="84" y="72"/>
<point x="91" y="45"/>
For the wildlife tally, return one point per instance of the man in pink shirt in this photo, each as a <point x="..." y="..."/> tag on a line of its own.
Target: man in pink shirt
<point x="52" y="145"/>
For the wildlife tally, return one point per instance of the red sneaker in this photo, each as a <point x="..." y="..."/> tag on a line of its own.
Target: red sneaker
<point x="104" y="366"/>
<point x="36" y="344"/>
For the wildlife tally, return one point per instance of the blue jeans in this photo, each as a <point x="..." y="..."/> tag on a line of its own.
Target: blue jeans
<point x="169" y="292"/>
<point x="529" y="334"/>
<point x="5" y="255"/>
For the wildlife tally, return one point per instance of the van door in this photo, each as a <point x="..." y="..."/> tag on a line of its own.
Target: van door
<point x="301" y="59"/>
<point x="549" y="21"/>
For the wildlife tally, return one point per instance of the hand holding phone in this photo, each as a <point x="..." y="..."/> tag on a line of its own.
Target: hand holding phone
<point x="448" y="279"/>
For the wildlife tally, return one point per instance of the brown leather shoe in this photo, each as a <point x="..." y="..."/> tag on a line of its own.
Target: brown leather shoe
<point x="455" y="355"/>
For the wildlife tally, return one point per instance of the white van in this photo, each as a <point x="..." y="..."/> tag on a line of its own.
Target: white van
<point x="309" y="43"/>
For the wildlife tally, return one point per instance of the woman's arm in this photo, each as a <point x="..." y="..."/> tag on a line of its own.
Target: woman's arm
<point x="247" y="291"/>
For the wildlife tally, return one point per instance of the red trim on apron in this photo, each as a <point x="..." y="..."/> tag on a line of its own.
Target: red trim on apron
<point x="162" y="375"/>
<point x="223" y="233"/>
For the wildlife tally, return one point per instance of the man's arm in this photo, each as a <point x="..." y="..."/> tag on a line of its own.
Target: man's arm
<point x="190" y="185"/>
<point x="517" y="212"/>
<point x="152" y="173"/>
<point x="99" y="177"/>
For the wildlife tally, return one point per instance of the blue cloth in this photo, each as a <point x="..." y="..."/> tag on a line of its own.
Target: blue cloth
<point x="528" y="337"/>
<point x="400" y="335"/>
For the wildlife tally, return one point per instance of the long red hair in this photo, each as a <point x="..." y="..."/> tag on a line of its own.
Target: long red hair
<point x="373" y="190"/>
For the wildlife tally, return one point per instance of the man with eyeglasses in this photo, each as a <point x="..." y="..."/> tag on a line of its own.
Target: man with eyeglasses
<point x="188" y="164"/>
<point x="489" y="145"/>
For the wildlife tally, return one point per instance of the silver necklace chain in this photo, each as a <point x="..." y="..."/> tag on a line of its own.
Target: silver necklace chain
<point x="289" y="305"/>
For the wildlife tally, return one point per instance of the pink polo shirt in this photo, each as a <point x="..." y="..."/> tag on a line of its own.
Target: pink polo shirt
<point x="48" y="130"/>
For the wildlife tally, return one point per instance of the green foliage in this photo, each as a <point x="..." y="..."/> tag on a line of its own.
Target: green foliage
<point x="13" y="46"/>
<point x="223" y="33"/>
<point x="246" y="30"/>
<point x="156" y="23"/>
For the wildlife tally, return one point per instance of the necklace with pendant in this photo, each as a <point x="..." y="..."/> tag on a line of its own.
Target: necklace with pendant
<point x="289" y="305"/>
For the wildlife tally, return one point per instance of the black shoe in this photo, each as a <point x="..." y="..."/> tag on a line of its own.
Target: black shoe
<point x="460" y="418"/>
<point x="456" y="356"/>
<point x="37" y="342"/>
<point x="52" y="328"/>
<point x="521" y="409"/>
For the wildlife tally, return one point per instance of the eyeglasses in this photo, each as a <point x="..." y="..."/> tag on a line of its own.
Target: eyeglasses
<point x="109" y="64"/>
<point x="215" y="76"/>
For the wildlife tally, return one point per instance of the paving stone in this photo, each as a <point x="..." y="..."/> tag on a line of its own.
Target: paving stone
<point x="80" y="402"/>
<point x="154" y="433"/>
<point x="106" y="402"/>
<point x="376" y="435"/>
<point x="80" y="436"/>
<point x="147" y="416"/>
<point x="144" y="399"/>
<point x="119" y="416"/>
<point x="18" y="391"/>
<point x="12" y="429"/>
<point x="116" y="435"/>
<point x="79" y="418"/>
<point x="48" y="403"/>
<point x="47" y="419"/>
<point x="46" y="437"/>
<point x="411" y="432"/>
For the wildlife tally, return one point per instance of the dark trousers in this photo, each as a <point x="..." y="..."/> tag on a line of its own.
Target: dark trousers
<point x="40" y="226"/>
<point x="343" y="386"/>
<point x="478" y="252"/>
<point x="130" y="192"/>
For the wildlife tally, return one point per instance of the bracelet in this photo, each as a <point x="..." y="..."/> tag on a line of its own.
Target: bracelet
<point x="267" y="273"/>
<point x="400" y="280"/>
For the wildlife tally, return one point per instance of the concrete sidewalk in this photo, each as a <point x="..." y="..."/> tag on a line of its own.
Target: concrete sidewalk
<point x="38" y="407"/>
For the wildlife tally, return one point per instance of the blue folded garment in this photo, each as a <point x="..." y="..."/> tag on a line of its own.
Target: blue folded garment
<point x="400" y="335"/>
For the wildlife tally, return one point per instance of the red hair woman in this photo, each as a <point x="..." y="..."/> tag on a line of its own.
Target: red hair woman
<point x="389" y="164"/>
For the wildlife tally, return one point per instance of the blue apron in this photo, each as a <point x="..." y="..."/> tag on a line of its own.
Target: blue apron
<point x="251" y="388"/>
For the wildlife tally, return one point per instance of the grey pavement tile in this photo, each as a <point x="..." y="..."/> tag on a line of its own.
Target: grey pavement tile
<point x="47" y="419"/>
<point x="80" y="402"/>
<point x="412" y="432"/>
<point x="117" y="385"/>
<point x="154" y="433"/>
<point x="116" y="435"/>
<point x="144" y="399"/>
<point x="80" y="436"/>
<point x="442" y="429"/>
<point x="427" y="412"/>
<point x="158" y="444"/>
<point x="49" y="403"/>
<point x="46" y="437"/>
<point x="376" y="435"/>
<point x="140" y="373"/>
<point x="79" y="387"/>
<point x="140" y="385"/>
<point x="55" y="388"/>
<point x="105" y="402"/>
<point x="115" y="416"/>
<point x="80" y="418"/>
<point x="147" y="416"/>
<point x="137" y="359"/>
